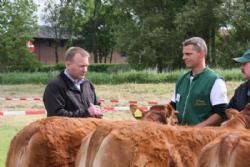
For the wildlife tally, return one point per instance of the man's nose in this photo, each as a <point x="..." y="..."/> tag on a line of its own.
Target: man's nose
<point x="85" y="69"/>
<point x="242" y="66"/>
<point x="183" y="56"/>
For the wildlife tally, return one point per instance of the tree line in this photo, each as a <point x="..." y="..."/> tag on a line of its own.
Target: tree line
<point x="149" y="32"/>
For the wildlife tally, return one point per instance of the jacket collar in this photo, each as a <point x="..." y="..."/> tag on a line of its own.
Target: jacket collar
<point x="197" y="75"/>
<point x="68" y="82"/>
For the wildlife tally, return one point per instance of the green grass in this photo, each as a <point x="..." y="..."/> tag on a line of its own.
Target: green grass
<point x="26" y="77"/>
<point x="132" y="76"/>
<point x="6" y="134"/>
<point x="9" y="126"/>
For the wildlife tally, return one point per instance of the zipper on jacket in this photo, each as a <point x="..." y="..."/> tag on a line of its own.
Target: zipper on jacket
<point x="185" y="106"/>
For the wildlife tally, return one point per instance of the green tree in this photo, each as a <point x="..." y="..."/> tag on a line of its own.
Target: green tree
<point x="66" y="19"/>
<point x="148" y="35"/>
<point x="200" y="18"/>
<point x="97" y="33"/>
<point x="86" y="23"/>
<point x="17" y="22"/>
<point x="52" y="19"/>
<point x="234" y="39"/>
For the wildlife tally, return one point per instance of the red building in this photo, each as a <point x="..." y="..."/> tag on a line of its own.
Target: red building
<point x="45" y="47"/>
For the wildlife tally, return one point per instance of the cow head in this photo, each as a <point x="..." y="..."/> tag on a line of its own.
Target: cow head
<point x="246" y="110"/>
<point x="161" y="113"/>
<point x="136" y="111"/>
<point x="238" y="120"/>
<point x="231" y="113"/>
<point x="246" y="114"/>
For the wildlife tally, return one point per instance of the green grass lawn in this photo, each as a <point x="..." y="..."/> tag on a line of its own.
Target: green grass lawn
<point x="7" y="132"/>
<point x="9" y="126"/>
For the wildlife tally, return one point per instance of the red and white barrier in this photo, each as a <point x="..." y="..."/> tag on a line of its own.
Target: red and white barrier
<point x="21" y="98"/>
<point x="151" y="102"/>
<point x="43" y="111"/>
<point x="26" y="112"/>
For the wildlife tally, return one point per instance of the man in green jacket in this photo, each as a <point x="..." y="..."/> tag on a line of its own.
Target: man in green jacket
<point x="200" y="94"/>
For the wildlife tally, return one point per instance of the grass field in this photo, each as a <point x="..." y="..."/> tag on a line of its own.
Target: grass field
<point x="10" y="125"/>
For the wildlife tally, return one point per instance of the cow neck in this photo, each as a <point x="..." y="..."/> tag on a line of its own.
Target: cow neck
<point x="244" y="119"/>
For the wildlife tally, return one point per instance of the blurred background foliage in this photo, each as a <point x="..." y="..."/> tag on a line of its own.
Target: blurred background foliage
<point x="148" y="32"/>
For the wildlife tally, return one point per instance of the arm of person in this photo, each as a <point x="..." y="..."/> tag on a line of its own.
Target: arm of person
<point x="214" y="119"/>
<point x="173" y="102"/>
<point x="218" y="99"/>
<point x="54" y="102"/>
<point x="96" y="111"/>
<point x="233" y="101"/>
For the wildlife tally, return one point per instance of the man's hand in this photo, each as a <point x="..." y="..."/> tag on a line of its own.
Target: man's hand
<point x="95" y="111"/>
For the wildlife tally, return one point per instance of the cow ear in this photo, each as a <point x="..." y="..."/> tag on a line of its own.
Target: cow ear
<point x="169" y="108"/>
<point x="248" y="106"/>
<point x="247" y="109"/>
<point x="133" y="107"/>
<point x="231" y="113"/>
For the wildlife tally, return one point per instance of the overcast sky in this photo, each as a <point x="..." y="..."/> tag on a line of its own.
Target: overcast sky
<point x="40" y="7"/>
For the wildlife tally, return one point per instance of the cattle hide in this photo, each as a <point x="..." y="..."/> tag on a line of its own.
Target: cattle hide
<point x="50" y="142"/>
<point x="240" y="120"/>
<point x="230" y="150"/>
<point x="137" y="144"/>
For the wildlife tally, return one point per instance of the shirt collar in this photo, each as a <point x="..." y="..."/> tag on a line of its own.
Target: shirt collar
<point x="73" y="80"/>
<point x="197" y="75"/>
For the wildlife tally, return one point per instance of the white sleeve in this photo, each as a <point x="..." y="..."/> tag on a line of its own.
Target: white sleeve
<point x="173" y="97"/>
<point x="218" y="93"/>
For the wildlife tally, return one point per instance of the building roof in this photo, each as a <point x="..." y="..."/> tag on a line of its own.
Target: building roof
<point x="47" y="32"/>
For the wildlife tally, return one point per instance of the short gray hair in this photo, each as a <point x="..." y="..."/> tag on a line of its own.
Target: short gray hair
<point x="72" y="51"/>
<point x="197" y="42"/>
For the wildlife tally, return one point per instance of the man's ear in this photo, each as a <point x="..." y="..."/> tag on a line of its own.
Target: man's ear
<point x="67" y="63"/>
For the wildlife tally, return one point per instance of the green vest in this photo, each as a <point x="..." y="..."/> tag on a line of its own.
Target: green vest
<point x="192" y="97"/>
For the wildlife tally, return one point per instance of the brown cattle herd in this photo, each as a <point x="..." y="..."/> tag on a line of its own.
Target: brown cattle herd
<point x="154" y="141"/>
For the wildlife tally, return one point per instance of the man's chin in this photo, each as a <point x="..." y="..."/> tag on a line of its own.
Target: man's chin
<point x="246" y="77"/>
<point x="83" y="76"/>
<point x="188" y="66"/>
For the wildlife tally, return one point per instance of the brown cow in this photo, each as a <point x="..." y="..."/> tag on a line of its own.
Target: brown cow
<point x="52" y="142"/>
<point x="240" y="120"/>
<point x="144" y="144"/>
<point x="231" y="113"/>
<point x="164" y="114"/>
<point x="139" y="144"/>
<point x="230" y="150"/>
